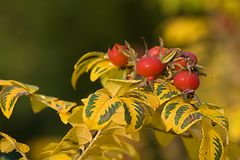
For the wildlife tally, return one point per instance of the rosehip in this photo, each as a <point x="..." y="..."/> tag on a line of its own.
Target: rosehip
<point x="191" y="58"/>
<point x="180" y="63"/>
<point x="149" y="67"/>
<point x="116" y="56"/>
<point x="155" y="51"/>
<point x="186" y="80"/>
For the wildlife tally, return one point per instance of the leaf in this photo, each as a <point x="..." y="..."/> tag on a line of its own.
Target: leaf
<point x="118" y="87"/>
<point x="99" y="109"/>
<point x="7" y="144"/>
<point x="148" y="97"/>
<point x="59" y="156"/>
<point x="169" y="112"/>
<point x="88" y="55"/>
<point x="214" y="113"/>
<point x="8" y="97"/>
<point x="93" y="63"/>
<point x="30" y="88"/>
<point x="211" y="147"/>
<point x="76" y="117"/>
<point x="134" y="113"/>
<point x="168" y="57"/>
<point x="100" y="69"/>
<point x="165" y="91"/>
<point x="188" y="120"/>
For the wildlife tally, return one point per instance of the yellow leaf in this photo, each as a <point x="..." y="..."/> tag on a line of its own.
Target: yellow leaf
<point x="6" y="146"/>
<point x="8" y="97"/>
<point x="165" y="91"/>
<point x="93" y="63"/>
<point x="80" y="70"/>
<point x="211" y="147"/>
<point x="88" y="55"/>
<point x="146" y="96"/>
<point x="192" y="147"/>
<point x="100" y="69"/>
<point x="59" y="156"/>
<point x="134" y="113"/>
<point x="99" y="109"/>
<point x="20" y="147"/>
<point x="214" y="113"/>
<point x="118" y="87"/>
<point x="169" y="112"/>
<point x="30" y="88"/>
<point x="61" y="106"/>
<point x="76" y="117"/>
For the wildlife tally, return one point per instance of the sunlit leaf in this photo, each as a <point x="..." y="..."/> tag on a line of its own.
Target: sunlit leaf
<point x="134" y="113"/>
<point x="7" y="144"/>
<point x="118" y="87"/>
<point x="168" y="57"/>
<point x="99" y="109"/>
<point x="214" y="113"/>
<point x="76" y="117"/>
<point x="211" y="147"/>
<point x="100" y="69"/>
<point x="165" y="91"/>
<point x="88" y="55"/>
<point x="59" y="156"/>
<point x="8" y="97"/>
<point x="188" y="120"/>
<point x="93" y="63"/>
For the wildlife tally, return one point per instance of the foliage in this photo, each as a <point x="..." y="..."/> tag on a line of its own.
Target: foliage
<point x="107" y="123"/>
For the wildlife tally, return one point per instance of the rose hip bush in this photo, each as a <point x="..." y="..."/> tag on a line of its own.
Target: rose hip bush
<point x="156" y="90"/>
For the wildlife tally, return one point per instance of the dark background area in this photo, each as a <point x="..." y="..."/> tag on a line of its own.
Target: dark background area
<point x="40" y="41"/>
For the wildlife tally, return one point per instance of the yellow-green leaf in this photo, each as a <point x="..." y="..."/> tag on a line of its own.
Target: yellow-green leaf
<point x="164" y="138"/>
<point x="211" y="147"/>
<point x="76" y="117"/>
<point x="93" y="63"/>
<point x="80" y="70"/>
<point x="134" y="113"/>
<point x="6" y="146"/>
<point x="215" y="114"/>
<point x="100" y="69"/>
<point x="165" y="91"/>
<point x="118" y="87"/>
<point x="59" y="156"/>
<point x="169" y="112"/>
<point x="182" y="110"/>
<point x="188" y="120"/>
<point x="30" y="88"/>
<point x="99" y="109"/>
<point x="87" y="56"/>
<point x="8" y="97"/>
<point x="168" y="57"/>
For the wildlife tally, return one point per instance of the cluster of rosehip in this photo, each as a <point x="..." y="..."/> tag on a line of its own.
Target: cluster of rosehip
<point x="181" y="68"/>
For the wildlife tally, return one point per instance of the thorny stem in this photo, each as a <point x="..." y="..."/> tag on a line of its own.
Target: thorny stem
<point x="88" y="147"/>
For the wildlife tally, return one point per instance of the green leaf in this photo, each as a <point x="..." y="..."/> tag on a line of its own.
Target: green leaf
<point x="165" y="91"/>
<point x="100" y="69"/>
<point x="188" y="120"/>
<point x="211" y="147"/>
<point x="134" y="113"/>
<point x="8" y="97"/>
<point x="99" y="109"/>
<point x="168" y="113"/>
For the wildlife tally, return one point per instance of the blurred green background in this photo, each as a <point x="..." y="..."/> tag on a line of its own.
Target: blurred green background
<point x="40" y="41"/>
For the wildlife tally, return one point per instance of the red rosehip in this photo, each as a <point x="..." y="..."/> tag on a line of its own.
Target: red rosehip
<point x="116" y="56"/>
<point x="180" y="63"/>
<point x="155" y="51"/>
<point x="149" y="67"/>
<point x="191" y="58"/>
<point x="186" y="80"/>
